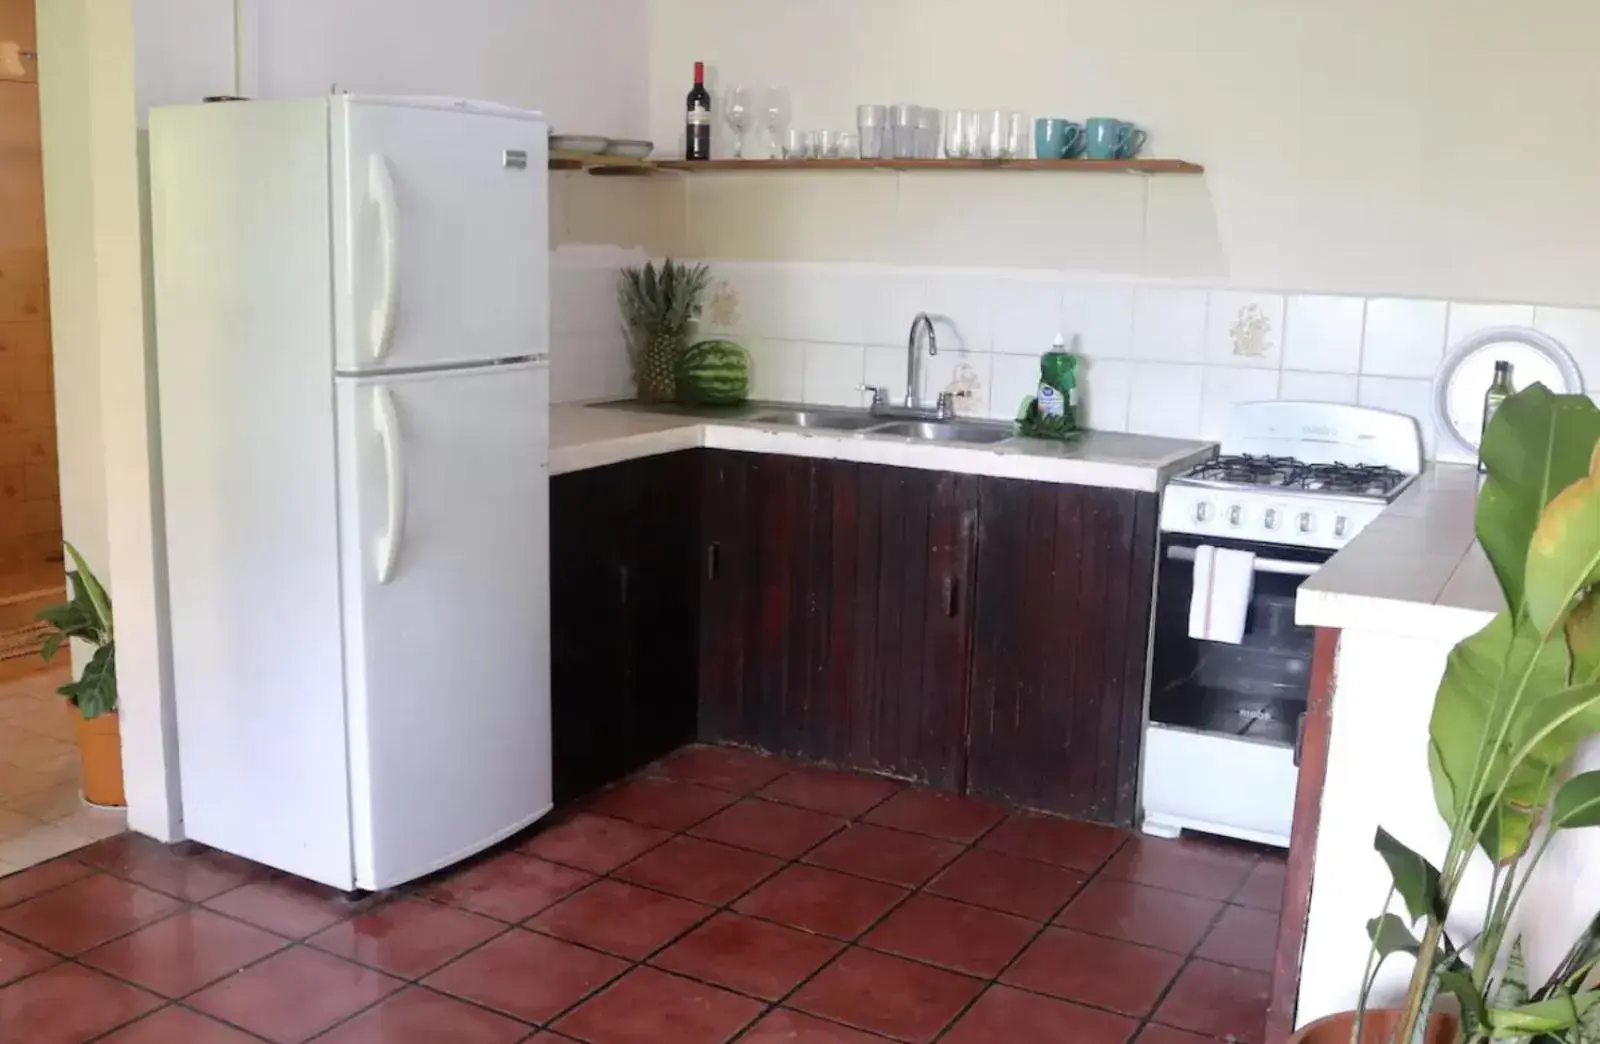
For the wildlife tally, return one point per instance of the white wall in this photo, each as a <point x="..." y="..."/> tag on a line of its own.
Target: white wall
<point x="1438" y="148"/>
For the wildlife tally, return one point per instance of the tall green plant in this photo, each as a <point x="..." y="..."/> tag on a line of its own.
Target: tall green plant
<point x="87" y="616"/>
<point x="1516" y="700"/>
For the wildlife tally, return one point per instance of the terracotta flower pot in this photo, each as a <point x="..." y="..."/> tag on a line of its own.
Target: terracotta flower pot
<point x="1377" y="1028"/>
<point x="100" y="754"/>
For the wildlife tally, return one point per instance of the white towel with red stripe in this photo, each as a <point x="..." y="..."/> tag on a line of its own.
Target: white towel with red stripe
<point x="1224" y="580"/>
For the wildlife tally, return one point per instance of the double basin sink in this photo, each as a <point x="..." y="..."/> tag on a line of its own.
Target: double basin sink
<point x="970" y="432"/>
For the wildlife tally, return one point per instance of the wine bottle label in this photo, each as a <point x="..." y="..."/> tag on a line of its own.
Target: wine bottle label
<point x="699" y="116"/>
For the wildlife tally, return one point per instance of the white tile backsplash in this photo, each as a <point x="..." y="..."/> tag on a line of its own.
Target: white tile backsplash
<point x="1169" y="325"/>
<point x="833" y="374"/>
<point x="1468" y="319"/>
<point x="1322" y="334"/>
<point x="1244" y="329"/>
<point x="777" y="368"/>
<point x="1166" y="399"/>
<point x="1025" y="315"/>
<point x="1161" y="360"/>
<point x="1224" y="387"/>
<point x="1578" y="330"/>
<point x="1105" y="389"/>
<point x="1098" y="319"/>
<point x="1297" y="385"/>
<point x="1404" y="337"/>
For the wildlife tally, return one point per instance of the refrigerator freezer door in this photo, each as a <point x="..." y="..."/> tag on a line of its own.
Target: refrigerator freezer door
<point x="441" y="235"/>
<point x="444" y="507"/>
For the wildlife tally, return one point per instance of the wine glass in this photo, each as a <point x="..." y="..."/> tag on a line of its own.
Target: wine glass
<point x="775" y="112"/>
<point x="736" y="114"/>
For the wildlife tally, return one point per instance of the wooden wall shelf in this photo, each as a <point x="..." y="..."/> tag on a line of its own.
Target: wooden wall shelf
<point x="619" y="165"/>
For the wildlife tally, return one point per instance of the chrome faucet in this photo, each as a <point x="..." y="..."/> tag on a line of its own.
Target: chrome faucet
<point x="912" y="407"/>
<point x="913" y="398"/>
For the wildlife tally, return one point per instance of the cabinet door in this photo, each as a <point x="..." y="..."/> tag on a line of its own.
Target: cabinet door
<point x="589" y="633"/>
<point x="660" y="595"/>
<point x="899" y="621"/>
<point x="1065" y="576"/>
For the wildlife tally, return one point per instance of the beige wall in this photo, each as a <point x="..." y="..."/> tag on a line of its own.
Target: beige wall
<point x="1440" y="148"/>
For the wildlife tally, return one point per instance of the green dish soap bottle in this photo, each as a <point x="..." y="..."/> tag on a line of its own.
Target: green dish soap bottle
<point x="1053" y="412"/>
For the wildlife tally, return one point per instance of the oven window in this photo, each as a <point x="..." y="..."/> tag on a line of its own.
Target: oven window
<point x="1256" y="689"/>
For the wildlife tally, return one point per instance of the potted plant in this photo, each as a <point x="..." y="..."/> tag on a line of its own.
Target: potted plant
<point x="659" y="308"/>
<point x="93" y="695"/>
<point x="1516" y="700"/>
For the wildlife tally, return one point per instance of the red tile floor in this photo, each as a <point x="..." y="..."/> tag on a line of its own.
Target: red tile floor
<point x="719" y="896"/>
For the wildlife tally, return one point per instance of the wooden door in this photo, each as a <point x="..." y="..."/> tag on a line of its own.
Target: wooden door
<point x="30" y="514"/>
<point x="1065" y="577"/>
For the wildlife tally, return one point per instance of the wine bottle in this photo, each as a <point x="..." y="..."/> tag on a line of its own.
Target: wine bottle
<point x="697" y="141"/>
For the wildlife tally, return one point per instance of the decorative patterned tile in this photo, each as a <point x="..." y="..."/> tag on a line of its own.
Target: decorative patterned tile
<point x="1244" y="329"/>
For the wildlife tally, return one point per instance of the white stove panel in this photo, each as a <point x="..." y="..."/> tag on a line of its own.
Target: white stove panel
<point x="1247" y="514"/>
<point x="1325" y="433"/>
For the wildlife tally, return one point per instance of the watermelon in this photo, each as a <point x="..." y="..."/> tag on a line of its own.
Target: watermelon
<point x="713" y="373"/>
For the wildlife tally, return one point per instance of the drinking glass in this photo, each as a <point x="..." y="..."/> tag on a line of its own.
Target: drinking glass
<point x="903" y="131"/>
<point x="955" y="131"/>
<point x="775" y="115"/>
<point x="992" y="136"/>
<point x="797" y="144"/>
<point x="1015" y="143"/>
<point x="849" y="147"/>
<point x="827" y="144"/>
<point x="873" y="123"/>
<point x="736" y="114"/>
<point x="927" y="146"/>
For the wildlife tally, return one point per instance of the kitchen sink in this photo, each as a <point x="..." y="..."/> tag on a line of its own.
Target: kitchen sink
<point x="947" y="431"/>
<point x="817" y="420"/>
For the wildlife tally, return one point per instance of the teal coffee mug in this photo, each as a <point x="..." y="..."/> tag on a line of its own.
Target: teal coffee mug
<point x="1056" y="139"/>
<point x="1113" y="139"/>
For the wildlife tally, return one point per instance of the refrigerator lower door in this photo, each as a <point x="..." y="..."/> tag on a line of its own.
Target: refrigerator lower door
<point x="444" y="509"/>
<point x="440" y="235"/>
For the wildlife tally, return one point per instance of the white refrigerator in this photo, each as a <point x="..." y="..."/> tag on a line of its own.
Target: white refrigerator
<point x="352" y="313"/>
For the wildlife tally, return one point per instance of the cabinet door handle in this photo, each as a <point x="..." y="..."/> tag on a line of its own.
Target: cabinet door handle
<point x="950" y="599"/>
<point x="622" y="583"/>
<point x="713" y="560"/>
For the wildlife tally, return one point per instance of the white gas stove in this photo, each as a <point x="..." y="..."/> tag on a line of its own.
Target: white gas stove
<point x="1295" y="482"/>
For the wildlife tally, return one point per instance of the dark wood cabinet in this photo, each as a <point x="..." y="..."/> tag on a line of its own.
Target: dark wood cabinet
<point x="624" y="591"/>
<point x="1065" y="577"/>
<point x="982" y="635"/>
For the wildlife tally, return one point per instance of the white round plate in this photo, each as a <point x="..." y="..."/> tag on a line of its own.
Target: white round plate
<point x="1469" y="370"/>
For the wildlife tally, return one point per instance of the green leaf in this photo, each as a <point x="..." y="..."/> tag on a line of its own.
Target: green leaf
<point x="96" y="691"/>
<point x="1580" y="959"/>
<point x="1473" y="1009"/>
<point x="97" y="593"/>
<point x="70" y="619"/>
<point x="1560" y="1012"/>
<point x="1577" y="803"/>
<point x="51" y="644"/>
<point x="1390" y="935"/>
<point x="1564" y="556"/>
<point x="1583" y="638"/>
<point x="1537" y="445"/>
<point x="1512" y="990"/>
<point x="1415" y="878"/>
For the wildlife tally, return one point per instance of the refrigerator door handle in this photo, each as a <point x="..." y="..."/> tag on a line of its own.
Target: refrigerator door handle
<point x="381" y="185"/>
<point x="388" y="425"/>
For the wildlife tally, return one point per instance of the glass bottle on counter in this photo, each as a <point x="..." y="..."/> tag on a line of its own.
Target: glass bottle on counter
<point x="1499" y="390"/>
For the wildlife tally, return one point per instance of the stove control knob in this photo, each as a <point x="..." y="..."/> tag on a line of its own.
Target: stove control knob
<point x="1202" y="511"/>
<point x="1270" y="519"/>
<point x="1341" y="527"/>
<point x="1307" y="522"/>
<point x="1235" y="515"/>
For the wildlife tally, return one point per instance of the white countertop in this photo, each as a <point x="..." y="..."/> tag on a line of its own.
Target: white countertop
<point x="1417" y="570"/>
<point x="589" y="437"/>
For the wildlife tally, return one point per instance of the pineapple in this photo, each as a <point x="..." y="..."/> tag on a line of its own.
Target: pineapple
<point x="659" y="307"/>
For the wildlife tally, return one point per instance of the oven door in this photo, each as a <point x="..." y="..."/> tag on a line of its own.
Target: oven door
<point x="1255" y="690"/>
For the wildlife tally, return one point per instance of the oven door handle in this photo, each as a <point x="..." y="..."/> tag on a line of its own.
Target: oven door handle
<point x="1263" y="565"/>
